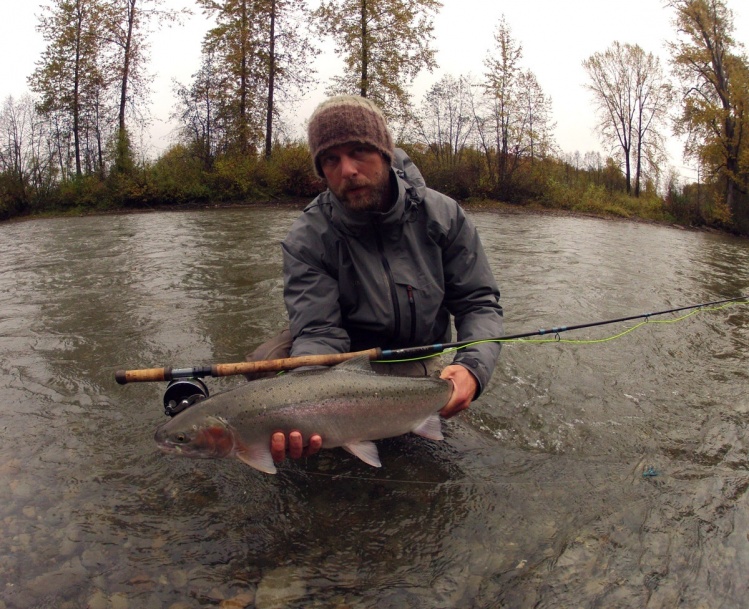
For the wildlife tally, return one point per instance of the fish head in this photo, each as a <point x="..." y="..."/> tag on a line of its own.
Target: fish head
<point x="207" y="437"/>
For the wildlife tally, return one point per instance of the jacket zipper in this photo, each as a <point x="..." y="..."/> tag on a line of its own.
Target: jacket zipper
<point x="412" y="306"/>
<point x="391" y="284"/>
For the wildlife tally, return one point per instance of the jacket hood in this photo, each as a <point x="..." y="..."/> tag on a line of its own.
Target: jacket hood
<point x="411" y="187"/>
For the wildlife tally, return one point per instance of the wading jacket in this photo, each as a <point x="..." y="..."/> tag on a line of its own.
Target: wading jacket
<point x="355" y="281"/>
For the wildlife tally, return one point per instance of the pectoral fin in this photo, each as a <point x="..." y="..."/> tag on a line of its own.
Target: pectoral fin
<point x="366" y="451"/>
<point x="258" y="457"/>
<point x="431" y="428"/>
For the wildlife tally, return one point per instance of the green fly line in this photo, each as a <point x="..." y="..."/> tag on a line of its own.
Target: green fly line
<point x="569" y="341"/>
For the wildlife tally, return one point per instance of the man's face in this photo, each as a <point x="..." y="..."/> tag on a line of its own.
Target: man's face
<point x="358" y="175"/>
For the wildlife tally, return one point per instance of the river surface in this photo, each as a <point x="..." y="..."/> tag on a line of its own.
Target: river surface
<point x="589" y="474"/>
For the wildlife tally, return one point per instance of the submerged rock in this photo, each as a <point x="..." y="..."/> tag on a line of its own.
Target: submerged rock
<point x="279" y="588"/>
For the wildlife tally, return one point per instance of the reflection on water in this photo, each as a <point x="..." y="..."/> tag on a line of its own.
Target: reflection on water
<point x="537" y="498"/>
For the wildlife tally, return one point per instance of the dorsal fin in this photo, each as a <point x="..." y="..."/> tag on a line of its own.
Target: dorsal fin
<point x="360" y="363"/>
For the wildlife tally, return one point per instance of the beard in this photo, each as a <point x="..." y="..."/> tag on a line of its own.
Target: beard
<point x="363" y="194"/>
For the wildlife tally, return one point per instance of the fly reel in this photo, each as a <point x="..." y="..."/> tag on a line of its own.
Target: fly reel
<point x="183" y="393"/>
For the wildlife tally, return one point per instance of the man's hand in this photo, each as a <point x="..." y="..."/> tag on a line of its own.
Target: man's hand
<point x="465" y="386"/>
<point x="296" y="445"/>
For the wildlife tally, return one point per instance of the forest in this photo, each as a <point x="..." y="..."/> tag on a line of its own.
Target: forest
<point x="68" y="146"/>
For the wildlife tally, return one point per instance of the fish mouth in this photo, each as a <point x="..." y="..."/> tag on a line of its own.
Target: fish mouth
<point x="166" y="445"/>
<point x="161" y="437"/>
<point x="178" y="450"/>
<point x="168" y="449"/>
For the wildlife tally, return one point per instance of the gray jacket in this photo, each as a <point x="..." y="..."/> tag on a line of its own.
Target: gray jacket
<point x="391" y="280"/>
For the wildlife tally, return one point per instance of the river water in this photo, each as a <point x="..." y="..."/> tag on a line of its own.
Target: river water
<point x="598" y="474"/>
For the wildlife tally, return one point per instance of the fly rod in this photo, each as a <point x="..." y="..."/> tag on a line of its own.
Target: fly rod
<point x="290" y="363"/>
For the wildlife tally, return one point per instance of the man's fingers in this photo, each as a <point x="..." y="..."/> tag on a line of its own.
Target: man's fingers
<point x="278" y="446"/>
<point x="465" y="386"/>
<point x="296" y="445"/>
<point x="315" y="444"/>
<point x="452" y="409"/>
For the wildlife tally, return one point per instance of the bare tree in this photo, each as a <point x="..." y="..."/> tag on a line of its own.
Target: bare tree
<point x="445" y="121"/>
<point x="654" y="97"/>
<point x="14" y="127"/>
<point x="27" y="161"/>
<point x="537" y="125"/>
<point x="632" y="97"/>
<point x="513" y="121"/>
<point x="197" y="111"/>
<point x="128" y="24"/>
<point x="498" y="126"/>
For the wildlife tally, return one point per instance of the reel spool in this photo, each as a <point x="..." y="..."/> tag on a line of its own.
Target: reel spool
<point x="183" y="393"/>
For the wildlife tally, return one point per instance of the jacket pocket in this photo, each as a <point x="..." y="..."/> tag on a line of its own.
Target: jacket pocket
<point x="420" y="311"/>
<point x="412" y="310"/>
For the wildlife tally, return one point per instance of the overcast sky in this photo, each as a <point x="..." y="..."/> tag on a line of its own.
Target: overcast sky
<point x="556" y="37"/>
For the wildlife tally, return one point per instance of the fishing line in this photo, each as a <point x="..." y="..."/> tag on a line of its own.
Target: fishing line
<point x="645" y="468"/>
<point x="527" y="339"/>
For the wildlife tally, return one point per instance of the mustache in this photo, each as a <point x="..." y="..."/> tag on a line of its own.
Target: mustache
<point x="356" y="183"/>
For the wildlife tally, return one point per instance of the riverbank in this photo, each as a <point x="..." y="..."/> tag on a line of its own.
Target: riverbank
<point x="300" y="203"/>
<point x="536" y="209"/>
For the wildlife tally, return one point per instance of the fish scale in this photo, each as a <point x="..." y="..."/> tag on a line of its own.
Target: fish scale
<point x="348" y="405"/>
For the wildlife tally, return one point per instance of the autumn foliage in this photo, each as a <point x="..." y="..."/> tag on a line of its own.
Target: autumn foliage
<point x="72" y="145"/>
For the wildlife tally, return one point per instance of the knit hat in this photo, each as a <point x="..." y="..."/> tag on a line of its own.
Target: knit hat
<point x="347" y="118"/>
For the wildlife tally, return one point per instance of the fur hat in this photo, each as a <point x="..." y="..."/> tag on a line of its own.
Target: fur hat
<point x="347" y="118"/>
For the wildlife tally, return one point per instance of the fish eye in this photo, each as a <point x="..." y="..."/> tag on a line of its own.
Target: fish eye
<point x="181" y="437"/>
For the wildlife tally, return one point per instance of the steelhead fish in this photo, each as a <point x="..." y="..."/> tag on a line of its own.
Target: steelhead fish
<point x="349" y="405"/>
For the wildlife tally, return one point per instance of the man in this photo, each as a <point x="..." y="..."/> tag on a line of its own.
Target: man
<point x="379" y="260"/>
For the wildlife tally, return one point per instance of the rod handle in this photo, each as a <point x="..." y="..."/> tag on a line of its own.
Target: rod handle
<point x="273" y="365"/>
<point x="290" y="363"/>
<point x="143" y="376"/>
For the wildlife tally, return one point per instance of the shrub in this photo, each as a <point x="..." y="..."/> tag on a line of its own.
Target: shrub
<point x="176" y="177"/>
<point x="289" y="171"/>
